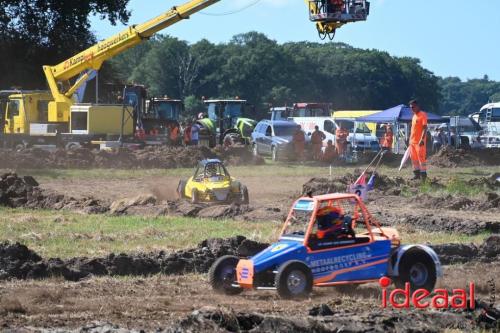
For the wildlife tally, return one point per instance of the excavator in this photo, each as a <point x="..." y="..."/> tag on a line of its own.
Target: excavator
<point x="55" y="117"/>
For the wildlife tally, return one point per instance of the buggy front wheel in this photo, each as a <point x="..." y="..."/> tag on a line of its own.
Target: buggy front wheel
<point x="222" y="275"/>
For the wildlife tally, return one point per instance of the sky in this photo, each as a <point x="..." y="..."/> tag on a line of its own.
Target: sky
<point x="451" y="37"/>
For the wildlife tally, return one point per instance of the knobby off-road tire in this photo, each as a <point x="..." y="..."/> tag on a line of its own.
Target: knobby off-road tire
<point x="222" y="275"/>
<point x="294" y="280"/>
<point x="195" y="196"/>
<point x="417" y="268"/>
<point x="181" y="190"/>
<point x="245" y="199"/>
<point x="274" y="154"/>
<point x="255" y="151"/>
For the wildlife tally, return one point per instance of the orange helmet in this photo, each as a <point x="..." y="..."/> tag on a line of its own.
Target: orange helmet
<point x="327" y="210"/>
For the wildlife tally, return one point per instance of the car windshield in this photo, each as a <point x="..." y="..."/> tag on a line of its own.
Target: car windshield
<point x="284" y="130"/>
<point x="212" y="171"/>
<point x="361" y="128"/>
<point x="299" y="219"/>
<point x="167" y="110"/>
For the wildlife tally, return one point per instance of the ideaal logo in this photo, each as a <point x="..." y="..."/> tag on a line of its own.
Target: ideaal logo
<point x="441" y="299"/>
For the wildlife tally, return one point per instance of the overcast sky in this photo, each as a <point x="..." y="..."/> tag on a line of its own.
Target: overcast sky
<point x="451" y="37"/>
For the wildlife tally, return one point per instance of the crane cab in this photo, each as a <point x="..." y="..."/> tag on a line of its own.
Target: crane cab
<point x="22" y="111"/>
<point x="330" y="15"/>
<point x="339" y="11"/>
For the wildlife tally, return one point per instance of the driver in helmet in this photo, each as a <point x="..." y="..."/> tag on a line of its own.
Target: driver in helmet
<point x="330" y="222"/>
<point x="211" y="171"/>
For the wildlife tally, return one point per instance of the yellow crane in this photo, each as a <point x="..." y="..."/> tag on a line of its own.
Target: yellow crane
<point x="44" y="117"/>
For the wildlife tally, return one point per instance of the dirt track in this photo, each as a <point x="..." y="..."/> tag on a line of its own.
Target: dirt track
<point x="178" y="302"/>
<point x="160" y="302"/>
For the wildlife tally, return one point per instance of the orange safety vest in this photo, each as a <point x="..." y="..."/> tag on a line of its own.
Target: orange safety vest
<point x="187" y="134"/>
<point x="299" y="138"/>
<point x="174" y="133"/>
<point x="419" y="121"/>
<point x="341" y="135"/>
<point x="317" y="137"/>
<point x="388" y="140"/>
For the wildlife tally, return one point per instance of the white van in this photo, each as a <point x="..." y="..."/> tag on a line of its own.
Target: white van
<point x="360" y="136"/>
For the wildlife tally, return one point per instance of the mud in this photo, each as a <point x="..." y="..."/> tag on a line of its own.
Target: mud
<point x="451" y="158"/>
<point x="19" y="262"/>
<point x="216" y="319"/>
<point x="389" y="185"/>
<point x="489" y="251"/>
<point x="17" y="192"/>
<point x="147" y="158"/>
<point x="431" y="222"/>
<point x="148" y="205"/>
<point x="487" y="202"/>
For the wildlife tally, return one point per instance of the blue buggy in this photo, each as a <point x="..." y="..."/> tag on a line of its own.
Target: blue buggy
<point x="328" y="240"/>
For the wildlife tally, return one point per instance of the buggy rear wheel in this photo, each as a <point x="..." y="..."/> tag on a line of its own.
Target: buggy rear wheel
<point x="274" y="154"/>
<point x="245" y="199"/>
<point x="294" y="280"/>
<point x="181" y="189"/>
<point x="195" y="196"/>
<point x="418" y="269"/>
<point x="222" y="275"/>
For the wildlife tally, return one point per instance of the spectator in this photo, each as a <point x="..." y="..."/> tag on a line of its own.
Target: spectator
<point x="418" y="137"/>
<point x="317" y="138"/>
<point x="187" y="134"/>
<point x="299" y="143"/>
<point x="330" y="152"/>
<point x="388" y="138"/>
<point x="195" y="134"/>
<point x="341" y="135"/>
<point x="438" y="140"/>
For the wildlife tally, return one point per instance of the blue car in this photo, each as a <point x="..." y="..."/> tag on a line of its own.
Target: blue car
<point x="328" y="240"/>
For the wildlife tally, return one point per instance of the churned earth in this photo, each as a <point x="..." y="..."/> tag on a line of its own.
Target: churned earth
<point x="166" y="290"/>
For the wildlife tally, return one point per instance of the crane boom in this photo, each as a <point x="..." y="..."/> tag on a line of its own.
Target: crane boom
<point x="96" y="55"/>
<point x="93" y="58"/>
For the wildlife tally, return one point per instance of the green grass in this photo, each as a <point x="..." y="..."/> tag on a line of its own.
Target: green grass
<point x="65" y="234"/>
<point x="270" y="169"/>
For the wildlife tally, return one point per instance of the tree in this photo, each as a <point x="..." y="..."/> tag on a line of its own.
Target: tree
<point x="193" y="106"/>
<point x="36" y="33"/>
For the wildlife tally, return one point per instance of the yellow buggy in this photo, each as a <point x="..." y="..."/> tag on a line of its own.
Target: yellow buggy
<point x="212" y="183"/>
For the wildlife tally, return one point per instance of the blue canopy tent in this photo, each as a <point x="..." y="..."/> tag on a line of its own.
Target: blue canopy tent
<point x="397" y="115"/>
<point x="401" y="114"/>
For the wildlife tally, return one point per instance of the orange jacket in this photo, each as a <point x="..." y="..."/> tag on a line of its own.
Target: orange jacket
<point x="317" y="137"/>
<point x="418" y="123"/>
<point x="174" y="133"/>
<point x="388" y="139"/>
<point x="341" y="135"/>
<point x="187" y="134"/>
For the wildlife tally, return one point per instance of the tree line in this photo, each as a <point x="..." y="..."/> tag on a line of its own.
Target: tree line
<point x="264" y="72"/>
<point x="252" y="66"/>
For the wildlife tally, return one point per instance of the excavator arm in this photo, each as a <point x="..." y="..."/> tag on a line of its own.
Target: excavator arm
<point x="58" y="76"/>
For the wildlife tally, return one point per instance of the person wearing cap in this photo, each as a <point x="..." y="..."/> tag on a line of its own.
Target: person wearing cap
<point x="418" y="138"/>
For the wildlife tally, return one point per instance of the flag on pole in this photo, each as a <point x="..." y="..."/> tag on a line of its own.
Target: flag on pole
<point x="406" y="156"/>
